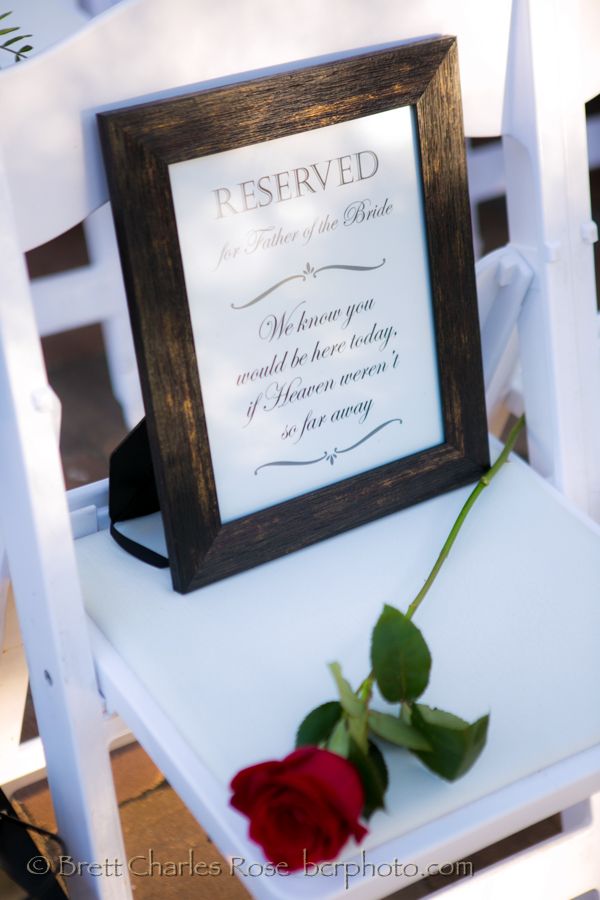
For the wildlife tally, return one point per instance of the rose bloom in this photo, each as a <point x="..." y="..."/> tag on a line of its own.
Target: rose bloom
<point x="302" y="808"/>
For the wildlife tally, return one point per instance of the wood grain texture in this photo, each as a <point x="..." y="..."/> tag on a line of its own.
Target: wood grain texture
<point x="139" y="143"/>
<point x="451" y="263"/>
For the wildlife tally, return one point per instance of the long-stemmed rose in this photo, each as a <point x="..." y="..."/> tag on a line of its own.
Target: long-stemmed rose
<point x="305" y="807"/>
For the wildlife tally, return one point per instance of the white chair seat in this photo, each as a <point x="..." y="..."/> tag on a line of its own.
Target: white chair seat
<point x="512" y="622"/>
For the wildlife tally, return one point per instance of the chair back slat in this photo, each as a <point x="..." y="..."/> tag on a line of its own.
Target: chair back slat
<point x="48" y="104"/>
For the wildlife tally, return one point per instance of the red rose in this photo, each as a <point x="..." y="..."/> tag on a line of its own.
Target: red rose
<point x="304" y="807"/>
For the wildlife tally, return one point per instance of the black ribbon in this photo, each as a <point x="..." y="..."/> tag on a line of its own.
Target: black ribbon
<point x="132" y="491"/>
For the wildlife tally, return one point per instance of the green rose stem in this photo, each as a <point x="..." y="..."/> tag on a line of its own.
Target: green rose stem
<point x="481" y="484"/>
<point x="445" y="743"/>
<point x="365" y="689"/>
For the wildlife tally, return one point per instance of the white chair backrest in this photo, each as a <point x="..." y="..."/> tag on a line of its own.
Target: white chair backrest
<point x="192" y="41"/>
<point x="513" y="83"/>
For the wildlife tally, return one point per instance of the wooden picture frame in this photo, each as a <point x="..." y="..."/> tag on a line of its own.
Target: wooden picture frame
<point x="142" y="146"/>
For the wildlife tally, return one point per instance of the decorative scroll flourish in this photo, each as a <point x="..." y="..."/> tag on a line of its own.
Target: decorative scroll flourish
<point x="307" y="271"/>
<point x="332" y="455"/>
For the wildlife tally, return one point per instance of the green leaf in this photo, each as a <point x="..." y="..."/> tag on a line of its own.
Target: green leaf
<point x="317" y="726"/>
<point x="13" y="40"/>
<point x="393" y="729"/>
<point x="377" y="758"/>
<point x="400" y="657"/>
<point x="8" y="30"/>
<point x="350" y="702"/>
<point x="26" y="48"/>
<point x="340" y="740"/>
<point x="455" y="744"/>
<point x="4" y="15"/>
<point x="373" y="774"/>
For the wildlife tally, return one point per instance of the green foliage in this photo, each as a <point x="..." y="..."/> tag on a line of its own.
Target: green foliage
<point x="397" y="731"/>
<point x="317" y="727"/>
<point x="455" y="745"/>
<point x="373" y="774"/>
<point x="351" y="704"/>
<point x="400" y="657"/>
<point x="9" y="45"/>
<point x="377" y="759"/>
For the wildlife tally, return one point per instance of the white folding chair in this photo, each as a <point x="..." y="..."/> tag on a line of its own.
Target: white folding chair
<point x="500" y="167"/>
<point x="517" y="600"/>
<point x="91" y="293"/>
<point x="487" y="180"/>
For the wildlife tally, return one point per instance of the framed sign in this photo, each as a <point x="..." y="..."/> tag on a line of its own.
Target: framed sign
<point x="298" y="263"/>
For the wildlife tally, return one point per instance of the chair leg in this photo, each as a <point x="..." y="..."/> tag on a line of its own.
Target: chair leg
<point x="70" y="720"/>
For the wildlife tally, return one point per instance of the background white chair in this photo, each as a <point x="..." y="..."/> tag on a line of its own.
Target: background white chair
<point x="546" y="171"/>
<point x="502" y="167"/>
<point x="90" y="293"/>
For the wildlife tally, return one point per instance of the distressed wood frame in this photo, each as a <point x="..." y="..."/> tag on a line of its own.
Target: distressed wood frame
<point x="139" y="144"/>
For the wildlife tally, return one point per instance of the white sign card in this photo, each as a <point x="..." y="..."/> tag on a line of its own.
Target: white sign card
<point x="306" y="270"/>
